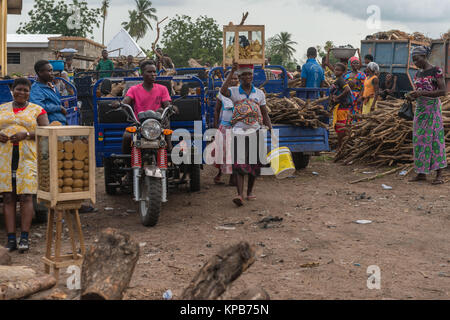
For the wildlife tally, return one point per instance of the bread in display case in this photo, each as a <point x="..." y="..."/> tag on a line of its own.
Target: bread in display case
<point x="66" y="164"/>
<point x="244" y="44"/>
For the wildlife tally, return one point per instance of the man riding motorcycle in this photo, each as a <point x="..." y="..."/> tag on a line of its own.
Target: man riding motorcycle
<point x="144" y="97"/>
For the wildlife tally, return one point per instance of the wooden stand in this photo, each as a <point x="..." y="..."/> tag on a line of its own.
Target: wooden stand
<point x="68" y="211"/>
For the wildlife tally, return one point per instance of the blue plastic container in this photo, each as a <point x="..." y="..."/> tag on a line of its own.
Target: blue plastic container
<point x="58" y="65"/>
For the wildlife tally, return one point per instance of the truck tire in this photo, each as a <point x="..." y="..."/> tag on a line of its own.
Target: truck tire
<point x="195" y="180"/>
<point x="150" y="207"/>
<point x="301" y="160"/>
<point x="110" y="190"/>
<point x="41" y="211"/>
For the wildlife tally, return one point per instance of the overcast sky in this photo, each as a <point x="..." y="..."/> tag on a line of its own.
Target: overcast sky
<point x="312" y="22"/>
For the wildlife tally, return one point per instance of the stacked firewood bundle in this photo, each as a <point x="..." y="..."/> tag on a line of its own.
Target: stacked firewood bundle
<point x="399" y="35"/>
<point x="295" y="111"/>
<point x="382" y="138"/>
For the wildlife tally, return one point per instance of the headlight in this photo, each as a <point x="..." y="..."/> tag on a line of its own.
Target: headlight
<point x="151" y="129"/>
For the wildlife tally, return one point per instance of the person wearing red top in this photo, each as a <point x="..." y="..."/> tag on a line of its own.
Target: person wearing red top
<point x="144" y="97"/>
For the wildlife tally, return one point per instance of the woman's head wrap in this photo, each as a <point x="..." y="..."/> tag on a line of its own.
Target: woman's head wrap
<point x="374" y="67"/>
<point x="421" y="51"/>
<point x="353" y="59"/>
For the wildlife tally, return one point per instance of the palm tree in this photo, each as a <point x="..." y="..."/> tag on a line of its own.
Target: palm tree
<point x="282" y="43"/>
<point x="140" y="19"/>
<point x="104" y="9"/>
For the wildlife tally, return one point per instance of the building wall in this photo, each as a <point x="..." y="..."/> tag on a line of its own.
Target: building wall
<point x="85" y="48"/>
<point x="28" y="57"/>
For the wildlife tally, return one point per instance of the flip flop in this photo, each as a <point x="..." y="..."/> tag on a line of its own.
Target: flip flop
<point x="438" y="182"/>
<point x="238" y="202"/>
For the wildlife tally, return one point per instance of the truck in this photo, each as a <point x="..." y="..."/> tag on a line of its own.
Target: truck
<point x="302" y="142"/>
<point x="440" y="56"/>
<point x="394" y="56"/>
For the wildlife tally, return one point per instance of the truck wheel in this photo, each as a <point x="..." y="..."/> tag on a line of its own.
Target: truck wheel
<point x="41" y="211"/>
<point x="110" y="190"/>
<point x="301" y="161"/>
<point x="194" y="182"/>
<point x="150" y="206"/>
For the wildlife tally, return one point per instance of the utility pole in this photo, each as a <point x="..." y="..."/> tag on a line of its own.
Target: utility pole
<point x="6" y="7"/>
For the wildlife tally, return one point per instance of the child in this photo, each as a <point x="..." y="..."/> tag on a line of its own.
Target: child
<point x="371" y="87"/>
<point x="341" y="100"/>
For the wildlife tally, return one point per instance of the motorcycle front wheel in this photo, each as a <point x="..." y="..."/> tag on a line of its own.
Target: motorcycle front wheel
<point x="150" y="205"/>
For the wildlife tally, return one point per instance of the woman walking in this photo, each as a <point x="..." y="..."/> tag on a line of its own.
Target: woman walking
<point x="356" y="78"/>
<point x="18" y="163"/>
<point x="250" y="113"/>
<point x="428" y="135"/>
<point x="222" y="121"/>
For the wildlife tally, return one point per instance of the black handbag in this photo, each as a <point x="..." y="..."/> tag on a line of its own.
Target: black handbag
<point x="406" y="111"/>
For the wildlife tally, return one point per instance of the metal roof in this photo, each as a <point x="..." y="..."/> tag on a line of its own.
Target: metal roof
<point x="29" y="40"/>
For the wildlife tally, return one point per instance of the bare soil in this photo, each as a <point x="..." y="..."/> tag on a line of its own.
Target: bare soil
<point x="316" y="252"/>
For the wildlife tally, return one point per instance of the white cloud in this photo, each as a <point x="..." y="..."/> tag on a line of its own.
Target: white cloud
<point x="312" y="22"/>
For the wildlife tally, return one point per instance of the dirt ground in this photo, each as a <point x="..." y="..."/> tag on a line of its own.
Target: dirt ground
<point x="316" y="252"/>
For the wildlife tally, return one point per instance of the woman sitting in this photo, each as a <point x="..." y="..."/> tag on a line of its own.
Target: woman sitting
<point x="18" y="163"/>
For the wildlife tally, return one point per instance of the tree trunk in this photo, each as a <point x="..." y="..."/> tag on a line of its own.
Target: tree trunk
<point x="108" y="266"/>
<point x="103" y="31"/>
<point x="5" y="258"/>
<point x="256" y="293"/>
<point x="219" y="272"/>
<point x="23" y="288"/>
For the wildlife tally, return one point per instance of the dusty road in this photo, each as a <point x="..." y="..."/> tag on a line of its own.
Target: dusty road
<point x="408" y="239"/>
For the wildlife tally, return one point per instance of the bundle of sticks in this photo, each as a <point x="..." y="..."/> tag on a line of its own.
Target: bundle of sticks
<point x="295" y="111"/>
<point x="399" y="35"/>
<point x="383" y="139"/>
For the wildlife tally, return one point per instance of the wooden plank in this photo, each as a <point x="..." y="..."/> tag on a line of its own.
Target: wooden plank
<point x="92" y="162"/>
<point x="53" y="158"/>
<point x="48" y="252"/>
<point x="79" y="230"/>
<point x="69" y="222"/>
<point x="58" y="239"/>
<point x="73" y="196"/>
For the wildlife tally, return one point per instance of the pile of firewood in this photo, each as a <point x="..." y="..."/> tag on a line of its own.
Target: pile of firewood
<point x="295" y="111"/>
<point x="399" y="35"/>
<point x="382" y="138"/>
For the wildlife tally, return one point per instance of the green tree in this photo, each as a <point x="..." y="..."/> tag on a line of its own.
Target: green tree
<point x="104" y="8"/>
<point x="140" y="19"/>
<point x="184" y="38"/>
<point x="282" y="44"/>
<point x="51" y="17"/>
<point x="323" y="52"/>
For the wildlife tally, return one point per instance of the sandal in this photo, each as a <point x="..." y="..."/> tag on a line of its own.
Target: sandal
<point x="418" y="178"/>
<point x="438" y="182"/>
<point x="238" y="201"/>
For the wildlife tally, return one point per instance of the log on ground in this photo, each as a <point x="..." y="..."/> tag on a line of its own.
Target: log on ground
<point x="108" y="266"/>
<point x="219" y="272"/>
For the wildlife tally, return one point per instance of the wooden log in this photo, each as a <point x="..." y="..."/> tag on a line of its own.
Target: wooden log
<point x="5" y="258"/>
<point x="19" y="289"/>
<point x="108" y="266"/>
<point x="254" y="294"/>
<point x="219" y="272"/>
<point x="16" y="273"/>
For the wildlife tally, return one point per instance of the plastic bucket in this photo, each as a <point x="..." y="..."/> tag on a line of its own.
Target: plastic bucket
<point x="58" y="65"/>
<point x="281" y="162"/>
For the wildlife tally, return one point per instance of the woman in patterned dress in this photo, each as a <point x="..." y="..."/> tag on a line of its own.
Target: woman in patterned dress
<point x="18" y="163"/>
<point x="428" y="134"/>
<point x="355" y="79"/>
